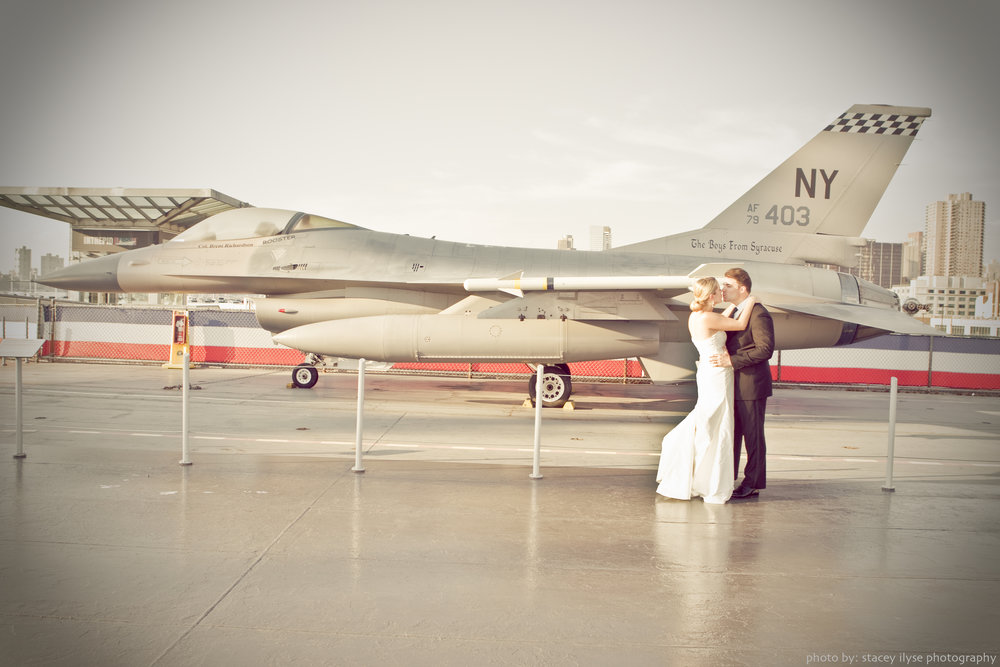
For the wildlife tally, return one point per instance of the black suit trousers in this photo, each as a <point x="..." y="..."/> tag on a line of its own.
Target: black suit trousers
<point x="748" y="428"/>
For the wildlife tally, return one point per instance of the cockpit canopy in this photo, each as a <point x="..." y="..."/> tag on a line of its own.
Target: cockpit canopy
<point x="248" y="223"/>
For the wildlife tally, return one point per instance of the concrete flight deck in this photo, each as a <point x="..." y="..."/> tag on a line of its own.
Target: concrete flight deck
<point x="269" y="550"/>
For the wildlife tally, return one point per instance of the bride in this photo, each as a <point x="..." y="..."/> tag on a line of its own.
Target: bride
<point x="697" y="455"/>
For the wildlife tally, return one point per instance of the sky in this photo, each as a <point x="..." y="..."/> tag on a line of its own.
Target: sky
<point x="506" y="122"/>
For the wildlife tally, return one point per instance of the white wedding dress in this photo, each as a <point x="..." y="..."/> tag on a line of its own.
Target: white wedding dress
<point x="697" y="455"/>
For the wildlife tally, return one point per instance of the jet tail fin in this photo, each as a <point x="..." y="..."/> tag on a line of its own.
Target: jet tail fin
<point x="814" y="205"/>
<point x="833" y="183"/>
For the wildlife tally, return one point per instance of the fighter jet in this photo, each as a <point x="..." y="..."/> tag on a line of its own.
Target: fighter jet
<point x="336" y="290"/>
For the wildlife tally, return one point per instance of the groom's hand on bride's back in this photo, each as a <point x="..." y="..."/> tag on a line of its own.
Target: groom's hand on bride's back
<point x="722" y="360"/>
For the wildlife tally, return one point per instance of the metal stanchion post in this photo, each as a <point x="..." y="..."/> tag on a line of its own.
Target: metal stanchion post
<point x="19" y="407"/>
<point x="892" y="435"/>
<point x="535" y="472"/>
<point x="20" y="349"/>
<point x="185" y="385"/>
<point x="358" y="465"/>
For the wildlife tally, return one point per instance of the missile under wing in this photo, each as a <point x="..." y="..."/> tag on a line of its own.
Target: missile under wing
<point x="334" y="289"/>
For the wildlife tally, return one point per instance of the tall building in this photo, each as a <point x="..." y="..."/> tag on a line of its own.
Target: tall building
<point x="992" y="270"/>
<point x="953" y="237"/>
<point x="913" y="257"/>
<point x="878" y="262"/>
<point x="600" y="238"/>
<point x="566" y="243"/>
<point x="50" y="263"/>
<point x="22" y="258"/>
<point x="881" y="263"/>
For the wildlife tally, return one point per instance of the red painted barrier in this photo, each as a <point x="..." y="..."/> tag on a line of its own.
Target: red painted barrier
<point x="233" y="337"/>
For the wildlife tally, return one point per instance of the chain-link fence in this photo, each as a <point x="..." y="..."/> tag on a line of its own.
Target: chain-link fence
<point x="233" y="337"/>
<point x="916" y="361"/>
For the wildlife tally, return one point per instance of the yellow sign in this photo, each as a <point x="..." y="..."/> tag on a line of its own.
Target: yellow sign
<point x="178" y="340"/>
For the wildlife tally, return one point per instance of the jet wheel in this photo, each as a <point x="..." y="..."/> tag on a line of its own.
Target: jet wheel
<point x="556" y="386"/>
<point x="305" y="376"/>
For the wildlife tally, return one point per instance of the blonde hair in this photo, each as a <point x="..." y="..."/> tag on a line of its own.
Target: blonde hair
<point x="703" y="289"/>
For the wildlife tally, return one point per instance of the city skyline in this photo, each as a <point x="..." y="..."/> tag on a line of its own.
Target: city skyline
<point x="35" y="262"/>
<point x="605" y="232"/>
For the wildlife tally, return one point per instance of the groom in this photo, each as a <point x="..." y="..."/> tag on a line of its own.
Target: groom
<point x="748" y="352"/>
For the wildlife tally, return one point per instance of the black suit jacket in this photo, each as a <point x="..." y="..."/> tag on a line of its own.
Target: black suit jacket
<point x="750" y="351"/>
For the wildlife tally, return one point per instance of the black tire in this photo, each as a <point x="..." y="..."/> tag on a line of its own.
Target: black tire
<point x="556" y="386"/>
<point x="305" y="376"/>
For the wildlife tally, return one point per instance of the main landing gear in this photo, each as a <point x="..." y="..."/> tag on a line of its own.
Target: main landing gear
<point x="556" y="386"/>
<point x="556" y="383"/>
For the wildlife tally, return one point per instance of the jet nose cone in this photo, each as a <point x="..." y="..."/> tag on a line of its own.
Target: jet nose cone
<point x="95" y="275"/>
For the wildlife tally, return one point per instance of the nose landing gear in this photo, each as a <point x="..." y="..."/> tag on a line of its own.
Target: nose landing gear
<point x="305" y="376"/>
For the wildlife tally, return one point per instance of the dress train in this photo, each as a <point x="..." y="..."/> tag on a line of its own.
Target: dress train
<point x="697" y="455"/>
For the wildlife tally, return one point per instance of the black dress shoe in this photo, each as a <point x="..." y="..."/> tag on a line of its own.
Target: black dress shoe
<point x="745" y="492"/>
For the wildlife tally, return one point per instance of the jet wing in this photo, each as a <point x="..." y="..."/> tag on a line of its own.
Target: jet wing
<point x="517" y="285"/>
<point x="876" y="318"/>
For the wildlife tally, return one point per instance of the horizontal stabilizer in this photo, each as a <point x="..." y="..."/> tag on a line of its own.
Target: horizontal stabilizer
<point x="876" y="318"/>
